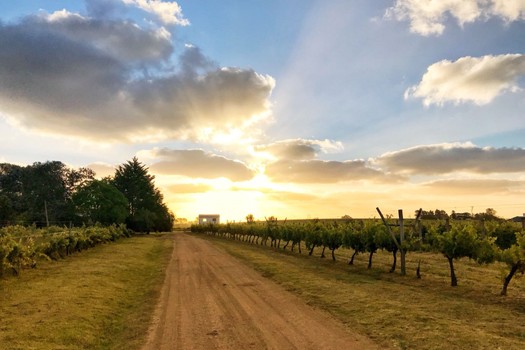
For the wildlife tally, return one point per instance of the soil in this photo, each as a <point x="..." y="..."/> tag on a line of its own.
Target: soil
<point x="210" y="300"/>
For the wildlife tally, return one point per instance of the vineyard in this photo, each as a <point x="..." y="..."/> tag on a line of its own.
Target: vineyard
<point x="482" y="241"/>
<point x="22" y="247"/>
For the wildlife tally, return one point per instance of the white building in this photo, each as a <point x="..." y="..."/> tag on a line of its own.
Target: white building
<point x="209" y="219"/>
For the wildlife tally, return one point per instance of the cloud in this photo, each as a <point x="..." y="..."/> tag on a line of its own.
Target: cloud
<point x="428" y="17"/>
<point x="454" y="157"/>
<point x="101" y="8"/>
<point x="66" y="74"/>
<point x="476" y="186"/>
<point x="298" y="149"/>
<point x="198" y="164"/>
<point x="221" y="99"/>
<point x="319" y="171"/>
<point x="509" y="10"/>
<point x="123" y="40"/>
<point x="469" y="79"/>
<point x="168" y="12"/>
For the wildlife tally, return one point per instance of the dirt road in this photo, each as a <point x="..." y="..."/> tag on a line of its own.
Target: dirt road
<point x="210" y="300"/>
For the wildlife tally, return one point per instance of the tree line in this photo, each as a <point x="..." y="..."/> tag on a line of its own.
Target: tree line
<point x="50" y="193"/>
<point x="484" y="241"/>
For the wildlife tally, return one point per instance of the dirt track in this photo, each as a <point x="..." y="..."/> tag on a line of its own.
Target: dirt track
<point x="212" y="301"/>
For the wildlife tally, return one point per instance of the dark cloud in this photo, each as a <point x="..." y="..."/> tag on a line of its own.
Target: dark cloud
<point x="192" y="62"/>
<point x="66" y="74"/>
<point x="101" y="8"/>
<point x="318" y="171"/>
<point x="198" y="164"/>
<point x="289" y="150"/>
<point x="121" y="39"/>
<point x="42" y="74"/>
<point x="221" y="99"/>
<point x="449" y="158"/>
<point x="298" y="149"/>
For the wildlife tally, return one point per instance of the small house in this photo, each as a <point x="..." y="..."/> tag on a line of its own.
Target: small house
<point x="519" y="219"/>
<point x="209" y="219"/>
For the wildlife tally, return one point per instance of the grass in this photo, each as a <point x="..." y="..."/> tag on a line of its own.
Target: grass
<point x="400" y="312"/>
<point x="102" y="298"/>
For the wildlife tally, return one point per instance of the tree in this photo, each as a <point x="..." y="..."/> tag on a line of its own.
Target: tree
<point x="488" y="215"/>
<point x="10" y="192"/>
<point x="100" y="201"/>
<point x="6" y="211"/>
<point x="41" y="192"/>
<point x="146" y="209"/>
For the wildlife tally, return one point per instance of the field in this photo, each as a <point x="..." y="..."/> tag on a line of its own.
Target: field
<point x="400" y="311"/>
<point x="104" y="298"/>
<point x="101" y="298"/>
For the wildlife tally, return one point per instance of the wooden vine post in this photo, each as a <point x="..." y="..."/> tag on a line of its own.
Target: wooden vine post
<point x="401" y="240"/>
<point x="399" y="243"/>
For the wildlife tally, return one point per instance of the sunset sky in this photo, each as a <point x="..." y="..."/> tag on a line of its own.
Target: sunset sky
<point x="296" y="108"/>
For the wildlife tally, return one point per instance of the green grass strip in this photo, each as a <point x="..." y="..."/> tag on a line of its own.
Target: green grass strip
<point x="400" y="312"/>
<point x="102" y="298"/>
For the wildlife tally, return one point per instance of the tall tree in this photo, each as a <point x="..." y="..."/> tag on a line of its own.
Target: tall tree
<point x="146" y="209"/>
<point x="40" y="192"/>
<point x="100" y="201"/>
<point x="10" y="192"/>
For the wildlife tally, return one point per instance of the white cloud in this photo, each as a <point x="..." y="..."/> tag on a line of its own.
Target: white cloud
<point x="469" y="79"/>
<point x="453" y="157"/>
<point x="428" y="17"/>
<point x="509" y="10"/>
<point x="169" y="12"/>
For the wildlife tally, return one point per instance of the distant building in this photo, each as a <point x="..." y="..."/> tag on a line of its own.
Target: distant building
<point x="209" y="219"/>
<point x="519" y="219"/>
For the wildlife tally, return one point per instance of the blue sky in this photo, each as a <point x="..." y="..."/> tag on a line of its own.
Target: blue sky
<point x="306" y="108"/>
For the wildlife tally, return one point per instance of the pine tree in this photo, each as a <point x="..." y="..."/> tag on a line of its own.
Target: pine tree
<point x="147" y="212"/>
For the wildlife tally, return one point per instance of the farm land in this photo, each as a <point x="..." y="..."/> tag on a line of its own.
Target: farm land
<point x="105" y="297"/>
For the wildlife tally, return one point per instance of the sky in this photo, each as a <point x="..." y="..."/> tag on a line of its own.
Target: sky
<point x="293" y="109"/>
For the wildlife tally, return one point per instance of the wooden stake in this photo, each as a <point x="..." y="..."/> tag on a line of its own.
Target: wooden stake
<point x="47" y="217"/>
<point x="401" y="239"/>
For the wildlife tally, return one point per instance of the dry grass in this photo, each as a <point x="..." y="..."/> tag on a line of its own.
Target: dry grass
<point x="401" y="311"/>
<point x="99" y="299"/>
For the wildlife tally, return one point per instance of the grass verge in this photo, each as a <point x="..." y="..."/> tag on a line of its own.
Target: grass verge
<point x="102" y="298"/>
<point x="400" y="312"/>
